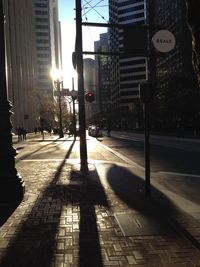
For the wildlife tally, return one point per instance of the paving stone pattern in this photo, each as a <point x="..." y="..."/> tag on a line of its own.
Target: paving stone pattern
<point x="67" y="220"/>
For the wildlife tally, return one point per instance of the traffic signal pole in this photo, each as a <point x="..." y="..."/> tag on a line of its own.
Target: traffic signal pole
<point x="79" y="67"/>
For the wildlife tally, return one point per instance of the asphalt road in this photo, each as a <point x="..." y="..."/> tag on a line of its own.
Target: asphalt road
<point x="177" y="155"/>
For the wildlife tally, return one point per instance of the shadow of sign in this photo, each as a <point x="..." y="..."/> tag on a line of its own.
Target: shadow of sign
<point x="147" y="217"/>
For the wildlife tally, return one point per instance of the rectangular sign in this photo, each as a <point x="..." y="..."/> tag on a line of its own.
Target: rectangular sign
<point x="66" y="92"/>
<point x="63" y="92"/>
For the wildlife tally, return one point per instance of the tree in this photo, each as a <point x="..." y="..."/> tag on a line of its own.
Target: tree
<point x="193" y="11"/>
<point x="44" y="108"/>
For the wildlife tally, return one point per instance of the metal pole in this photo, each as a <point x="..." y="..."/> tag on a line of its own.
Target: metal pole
<point x="145" y="96"/>
<point x="147" y="149"/>
<point x="61" y="135"/>
<point x="82" y="125"/>
<point x="74" y="112"/>
<point x="12" y="186"/>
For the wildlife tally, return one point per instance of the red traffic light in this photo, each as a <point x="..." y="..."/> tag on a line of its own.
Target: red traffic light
<point x="89" y="97"/>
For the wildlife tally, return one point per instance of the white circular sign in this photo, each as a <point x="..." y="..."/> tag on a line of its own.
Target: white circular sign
<point x="164" y="41"/>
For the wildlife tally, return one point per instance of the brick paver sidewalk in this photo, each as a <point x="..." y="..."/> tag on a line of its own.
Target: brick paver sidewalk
<point x="67" y="219"/>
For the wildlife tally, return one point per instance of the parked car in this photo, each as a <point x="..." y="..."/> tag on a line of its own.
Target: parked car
<point x="94" y="131"/>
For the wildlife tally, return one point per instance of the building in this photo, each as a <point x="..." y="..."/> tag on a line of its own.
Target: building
<point x="47" y="36"/>
<point x="32" y="50"/>
<point x="176" y="96"/>
<point x="102" y="70"/>
<point x="20" y="60"/>
<point x="127" y="71"/>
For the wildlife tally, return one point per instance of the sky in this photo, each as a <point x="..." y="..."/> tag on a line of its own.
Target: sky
<point x="68" y="31"/>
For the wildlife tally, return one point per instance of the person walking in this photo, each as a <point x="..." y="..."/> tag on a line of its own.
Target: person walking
<point x="23" y="130"/>
<point x="108" y="130"/>
<point x="19" y="134"/>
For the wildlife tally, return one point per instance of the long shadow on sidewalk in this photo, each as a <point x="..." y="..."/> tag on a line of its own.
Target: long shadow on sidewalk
<point x="28" y="154"/>
<point x="37" y="242"/>
<point x="130" y="188"/>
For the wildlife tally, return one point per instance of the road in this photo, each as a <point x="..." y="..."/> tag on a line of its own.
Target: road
<point x="174" y="162"/>
<point x="167" y="154"/>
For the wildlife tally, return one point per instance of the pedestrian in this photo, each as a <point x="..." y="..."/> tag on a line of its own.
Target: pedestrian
<point x="35" y="130"/>
<point x="71" y="130"/>
<point x="23" y="131"/>
<point x="108" y="130"/>
<point x="19" y="134"/>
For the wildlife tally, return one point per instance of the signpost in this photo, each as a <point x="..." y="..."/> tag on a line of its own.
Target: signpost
<point x="145" y="96"/>
<point x="163" y="41"/>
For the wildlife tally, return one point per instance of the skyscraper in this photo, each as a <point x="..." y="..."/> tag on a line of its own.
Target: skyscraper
<point x="32" y="50"/>
<point x="47" y="36"/>
<point x="102" y="68"/>
<point x="177" y="88"/>
<point x="20" y="60"/>
<point x="127" y="71"/>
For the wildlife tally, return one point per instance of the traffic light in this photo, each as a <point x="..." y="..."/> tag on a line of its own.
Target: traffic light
<point x="89" y="97"/>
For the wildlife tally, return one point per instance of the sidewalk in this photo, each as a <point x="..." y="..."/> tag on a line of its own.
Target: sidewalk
<point x="100" y="219"/>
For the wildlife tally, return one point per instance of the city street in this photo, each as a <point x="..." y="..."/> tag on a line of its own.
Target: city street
<point x="100" y="136"/>
<point x="99" y="219"/>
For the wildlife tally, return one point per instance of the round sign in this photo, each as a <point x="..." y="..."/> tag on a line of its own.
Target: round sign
<point x="164" y="41"/>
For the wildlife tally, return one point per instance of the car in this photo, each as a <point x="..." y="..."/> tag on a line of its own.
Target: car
<point x="94" y="131"/>
<point x="90" y="129"/>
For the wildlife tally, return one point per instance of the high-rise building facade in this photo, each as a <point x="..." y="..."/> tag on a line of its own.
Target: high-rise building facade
<point x="177" y="88"/>
<point x="102" y="69"/>
<point x="126" y="71"/>
<point x="47" y="34"/>
<point x="21" y="61"/>
<point x="32" y="50"/>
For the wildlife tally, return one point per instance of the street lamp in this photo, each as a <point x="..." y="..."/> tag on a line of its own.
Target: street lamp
<point x="57" y="79"/>
<point x="12" y="186"/>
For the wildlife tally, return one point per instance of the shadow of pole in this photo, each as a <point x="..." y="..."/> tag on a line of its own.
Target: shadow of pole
<point x="33" y="244"/>
<point x="36" y="241"/>
<point x="89" y="244"/>
<point x="90" y="250"/>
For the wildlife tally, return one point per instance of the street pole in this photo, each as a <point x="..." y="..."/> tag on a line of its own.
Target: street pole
<point x="61" y="135"/>
<point x="79" y="55"/>
<point x="145" y="96"/>
<point x="12" y="187"/>
<point x="147" y="149"/>
<point x="73" y="106"/>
